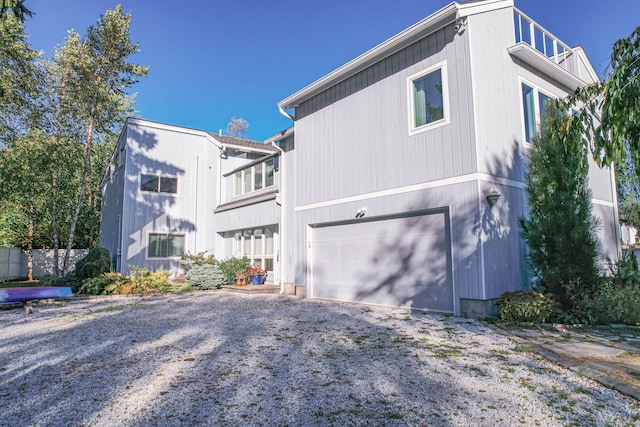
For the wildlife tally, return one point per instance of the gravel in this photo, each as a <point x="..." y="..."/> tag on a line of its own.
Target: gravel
<point x="216" y="358"/>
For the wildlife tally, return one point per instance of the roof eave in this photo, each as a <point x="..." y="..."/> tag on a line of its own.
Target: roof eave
<point x="417" y="31"/>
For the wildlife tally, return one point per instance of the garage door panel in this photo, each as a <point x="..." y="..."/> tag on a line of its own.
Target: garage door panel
<point x="397" y="261"/>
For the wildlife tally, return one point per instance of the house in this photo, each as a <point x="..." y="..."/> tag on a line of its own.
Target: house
<point x="400" y="183"/>
<point x="170" y="190"/>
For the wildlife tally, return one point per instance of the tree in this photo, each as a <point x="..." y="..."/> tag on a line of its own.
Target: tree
<point x="23" y="193"/>
<point x="15" y="9"/>
<point x="237" y="127"/>
<point x="19" y="79"/>
<point x="97" y="73"/>
<point x="560" y="231"/>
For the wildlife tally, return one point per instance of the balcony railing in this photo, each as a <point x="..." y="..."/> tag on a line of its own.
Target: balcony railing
<point x="529" y="32"/>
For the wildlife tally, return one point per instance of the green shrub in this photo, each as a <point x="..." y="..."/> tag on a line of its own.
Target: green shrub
<point x="97" y="262"/>
<point x="94" y="285"/>
<point x="183" y="287"/>
<point x="616" y="299"/>
<point x="525" y="306"/>
<point x="206" y="277"/>
<point x="48" y="280"/>
<point x="141" y="281"/>
<point x="230" y="266"/>
<point x="201" y="258"/>
<point x="71" y="281"/>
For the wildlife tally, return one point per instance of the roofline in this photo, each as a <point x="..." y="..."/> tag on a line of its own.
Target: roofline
<point x="431" y="23"/>
<point x="280" y="135"/>
<point x="165" y="126"/>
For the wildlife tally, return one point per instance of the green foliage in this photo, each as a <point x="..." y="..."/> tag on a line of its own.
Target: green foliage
<point x="141" y="281"/>
<point x="97" y="262"/>
<point x="70" y="281"/>
<point x="231" y="266"/>
<point x="48" y="280"/>
<point x="206" y="277"/>
<point x="630" y="212"/>
<point x="201" y="258"/>
<point x="559" y="231"/>
<point x="526" y="306"/>
<point x="94" y="285"/>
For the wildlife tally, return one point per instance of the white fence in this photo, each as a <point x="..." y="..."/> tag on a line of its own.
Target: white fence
<point x="13" y="262"/>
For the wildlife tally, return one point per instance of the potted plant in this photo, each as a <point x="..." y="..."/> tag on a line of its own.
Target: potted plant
<point x="241" y="278"/>
<point x="257" y="274"/>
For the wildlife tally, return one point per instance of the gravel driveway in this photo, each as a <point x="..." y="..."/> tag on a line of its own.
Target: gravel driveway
<point x="226" y="359"/>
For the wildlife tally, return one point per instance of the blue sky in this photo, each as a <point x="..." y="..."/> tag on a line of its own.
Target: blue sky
<point x="212" y="60"/>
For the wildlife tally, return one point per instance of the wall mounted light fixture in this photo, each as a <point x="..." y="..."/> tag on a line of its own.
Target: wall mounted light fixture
<point x="492" y="196"/>
<point x="361" y="212"/>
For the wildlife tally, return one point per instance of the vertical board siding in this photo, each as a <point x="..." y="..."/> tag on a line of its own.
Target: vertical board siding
<point x="190" y="158"/>
<point x="354" y="138"/>
<point x="255" y="215"/>
<point x="462" y="202"/>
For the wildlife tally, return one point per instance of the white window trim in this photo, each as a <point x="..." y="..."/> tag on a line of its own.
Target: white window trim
<point x="445" y="99"/>
<point x="536" y="105"/>
<point x="166" y="233"/>
<point x="251" y="170"/>
<point x="250" y="243"/>
<point x="158" y="176"/>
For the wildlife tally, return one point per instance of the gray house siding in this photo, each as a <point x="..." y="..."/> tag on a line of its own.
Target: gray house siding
<point x="112" y="205"/>
<point x="354" y="139"/>
<point x="151" y="149"/>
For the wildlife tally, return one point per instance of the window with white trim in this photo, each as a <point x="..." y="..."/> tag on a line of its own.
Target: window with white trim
<point x="253" y="178"/>
<point x="428" y="98"/>
<point x="158" y="184"/>
<point x="257" y="244"/>
<point x="534" y="104"/>
<point x="165" y="245"/>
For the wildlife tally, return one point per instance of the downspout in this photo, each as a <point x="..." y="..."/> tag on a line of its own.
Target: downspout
<point x="282" y="253"/>
<point x="284" y="226"/>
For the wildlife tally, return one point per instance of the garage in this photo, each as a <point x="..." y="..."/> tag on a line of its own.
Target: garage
<point x="400" y="261"/>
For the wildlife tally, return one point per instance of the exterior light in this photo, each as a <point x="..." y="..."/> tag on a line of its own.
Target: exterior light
<point x="492" y="196"/>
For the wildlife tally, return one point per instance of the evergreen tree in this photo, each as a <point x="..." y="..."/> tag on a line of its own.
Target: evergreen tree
<point x="560" y="231"/>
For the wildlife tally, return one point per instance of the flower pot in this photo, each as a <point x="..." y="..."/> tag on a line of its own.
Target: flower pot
<point x="257" y="280"/>
<point x="240" y="282"/>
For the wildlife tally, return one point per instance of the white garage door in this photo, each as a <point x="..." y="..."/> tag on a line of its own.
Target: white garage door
<point x="399" y="261"/>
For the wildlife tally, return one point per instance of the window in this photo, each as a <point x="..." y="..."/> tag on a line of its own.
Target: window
<point x="253" y="178"/>
<point x="158" y="184"/>
<point x="428" y="99"/>
<point x="533" y="107"/>
<point x="257" y="244"/>
<point x="165" y="245"/>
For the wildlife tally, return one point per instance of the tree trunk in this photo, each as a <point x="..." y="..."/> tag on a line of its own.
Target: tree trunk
<point x="54" y="213"/>
<point x="83" y="188"/>
<point x="30" y="245"/>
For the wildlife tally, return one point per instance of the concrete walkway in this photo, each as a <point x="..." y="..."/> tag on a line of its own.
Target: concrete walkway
<point x="609" y="354"/>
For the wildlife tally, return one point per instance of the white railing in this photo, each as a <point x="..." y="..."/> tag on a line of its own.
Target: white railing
<point x="528" y="31"/>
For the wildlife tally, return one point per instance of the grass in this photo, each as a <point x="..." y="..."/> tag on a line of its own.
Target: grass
<point x="20" y="284"/>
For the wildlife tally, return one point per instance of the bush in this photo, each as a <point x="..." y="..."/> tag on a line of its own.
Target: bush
<point x="525" y="306"/>
<point x="617" y="298"/>
<point x="141" y="281"/>
<point x="230" y="266"/>
<point x="97" y="262"/>
<point x="206" y="277"/>
<point x="189" y="261"/>
<point x="94" y="285"/>
<point x="48" y="280"/>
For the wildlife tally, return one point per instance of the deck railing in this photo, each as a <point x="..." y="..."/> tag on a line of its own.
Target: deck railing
<point x="528" y="31"/>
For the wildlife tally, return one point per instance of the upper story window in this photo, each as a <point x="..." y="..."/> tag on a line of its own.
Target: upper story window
<point x="533" y="106"/>
<point x="158" y="184"/>
<point x="428" y="98"/>
<point x="253" y="178"/>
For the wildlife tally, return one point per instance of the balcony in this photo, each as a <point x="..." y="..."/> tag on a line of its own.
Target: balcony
<point x="540" y="49"/>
